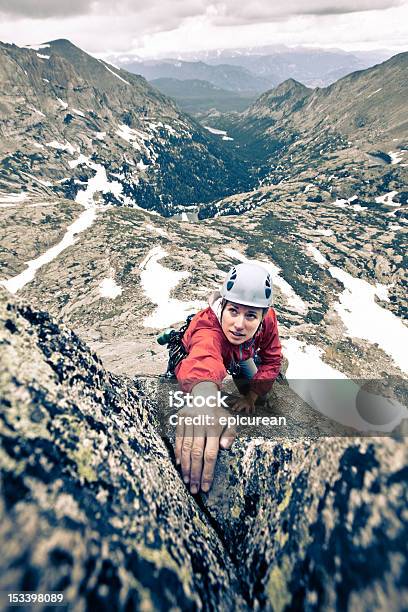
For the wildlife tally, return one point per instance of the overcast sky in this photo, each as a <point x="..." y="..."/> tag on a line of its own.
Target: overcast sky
<point x="158" y="27"/>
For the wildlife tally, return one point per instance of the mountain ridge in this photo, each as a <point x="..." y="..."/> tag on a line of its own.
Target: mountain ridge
<point x="369" y="105"/>
<point x="99" y="100"/>
<point x="196" y="96"/>
<point x="234" y="78"/>
<point x="312" y="66"/>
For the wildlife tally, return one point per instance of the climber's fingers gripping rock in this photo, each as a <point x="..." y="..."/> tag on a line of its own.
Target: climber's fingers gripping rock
<point x="199" y="435"/>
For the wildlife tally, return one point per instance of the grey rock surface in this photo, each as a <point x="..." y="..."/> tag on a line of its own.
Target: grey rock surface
<point x="92" y="504"/>
<point x="316" y="525"/>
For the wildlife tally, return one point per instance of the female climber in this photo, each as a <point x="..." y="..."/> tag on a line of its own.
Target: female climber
<point x="236" y="332"/>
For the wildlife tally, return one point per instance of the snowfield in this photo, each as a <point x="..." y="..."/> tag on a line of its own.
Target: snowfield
<point x="363" y="317"/>
<point x="157" y="283"/>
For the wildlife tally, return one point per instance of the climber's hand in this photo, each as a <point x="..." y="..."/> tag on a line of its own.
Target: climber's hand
<point x="197" y="446"/>
<point x="246" y="403"/>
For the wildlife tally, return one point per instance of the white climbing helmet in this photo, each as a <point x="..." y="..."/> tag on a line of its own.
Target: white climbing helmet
<point x="248" y="284"/>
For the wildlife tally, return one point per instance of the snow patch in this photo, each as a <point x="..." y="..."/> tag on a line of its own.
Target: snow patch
<point x="37" y="47"/>
<point x="388" y="199"/>
<point x="342" y="203"/>
<point x="54" y="144"/>
<point x="155" y="126"/>
<point x="170" y="130"/>
<point x="317" y="255"/>
<point x="214" y="131"/>
<point x="158" y="282"/>
<point x="141" y="166"/>
<point x="131" y="136"/>
<point x="43" y="56"/>
<point x="324" y="232"/>
<point x="328" y="391"/>
<point x="63" y="104"/>
<point x="305" y="362"/>
<point x="157" y="230"/>
<point x="396" y="156"/>
<point x="78" y="112"/>
<point x="82" y="159"/>
<point x="108" y="288"/>
<point x="35" y="110"/>
<point x="221" y="133"/>
<point x="13" y="198"/>
<point x="114" y="73"/>
<point x="364" y="318"/>
<point x="374" y="92"/>
<point x="98" y="183"/>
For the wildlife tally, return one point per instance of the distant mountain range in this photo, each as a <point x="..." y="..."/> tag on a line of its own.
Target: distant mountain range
<point x="247" y="72"/>
<point x="257" y="69"/>
<point x="374" y="56"/>
<point x="195" y="96"/>
<point x="225" y="76"/>
<point x="312" y="67"/>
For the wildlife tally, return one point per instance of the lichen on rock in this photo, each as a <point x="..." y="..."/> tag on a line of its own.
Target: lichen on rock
<point x="92" y="504"/>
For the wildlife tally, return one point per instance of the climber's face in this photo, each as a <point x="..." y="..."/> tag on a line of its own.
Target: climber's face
<point x="239" y="323"/>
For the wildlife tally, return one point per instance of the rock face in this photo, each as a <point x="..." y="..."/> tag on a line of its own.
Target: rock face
<point x="92" y="504"/>
<point x="62" y="111"/>
<point x="316" y="526"/>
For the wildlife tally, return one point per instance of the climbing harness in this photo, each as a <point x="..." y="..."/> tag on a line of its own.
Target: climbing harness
<point x="173" y="339"/>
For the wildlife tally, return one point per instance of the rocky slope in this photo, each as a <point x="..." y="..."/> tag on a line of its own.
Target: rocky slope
<point x="304" y="523"/>
<point x="63" y="111"/>
<point x="329" y="222"/>
<point x="333" y="160"/>
<point x="364" y="110"/>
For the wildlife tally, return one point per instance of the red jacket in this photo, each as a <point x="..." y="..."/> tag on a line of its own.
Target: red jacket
<point x="210" y="353"/>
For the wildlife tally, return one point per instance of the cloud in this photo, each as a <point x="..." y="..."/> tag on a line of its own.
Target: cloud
<point x="161" y="10"/>
<point x="236" y="12"/>
<point x="220" y="12"/>
<point x="44" y="8"/>
<point x="161" y="26"/>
